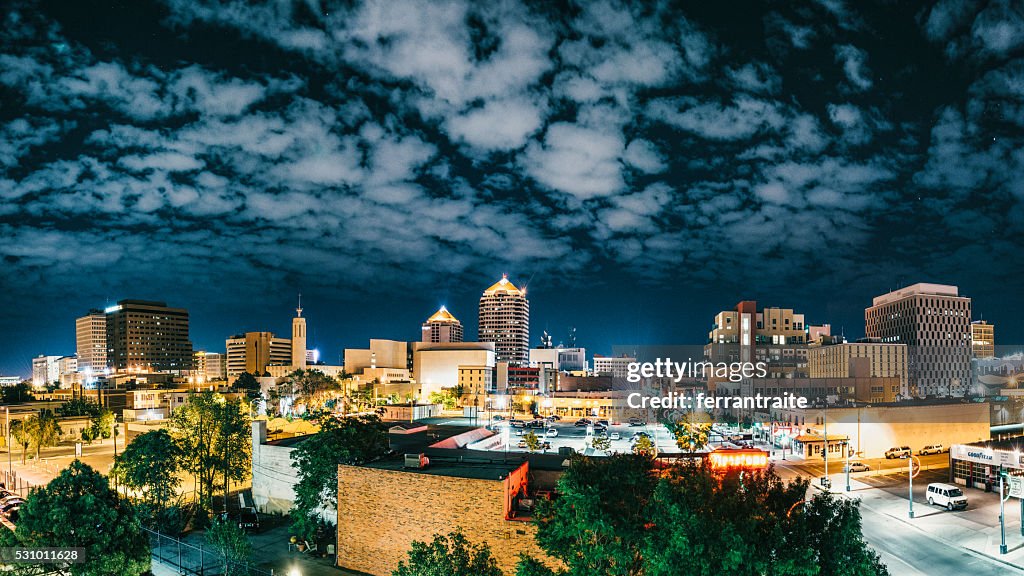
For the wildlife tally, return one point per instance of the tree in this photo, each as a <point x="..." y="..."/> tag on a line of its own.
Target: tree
<point x="20" y="392"/>
<point x="214" y="437"/>
<point x="150" y="465"/>
<point x="103" y="423"/>
<point x="78" y="509"/>
<point x="350" y="440"/>
<point x="246" y="381"/>
<point x="78" y="407"/>
<point x="450" y="555"/>
<point x="447" y="397"/>
<point x="691" y="432"/>
<point x="619" y="516"/>
<point x="645" y="447"/>
<point x="314" y="389"/>
<point x="532" y="441"/>
<point x="20" y="435"/>
<point x="43" y="431"/>
<point x="232" y="544"/>
<point x="601" y="442"/>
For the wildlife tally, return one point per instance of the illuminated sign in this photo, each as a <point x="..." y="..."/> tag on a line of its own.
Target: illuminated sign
<point x="736" y="459"/>
<point x="112" y="309"/>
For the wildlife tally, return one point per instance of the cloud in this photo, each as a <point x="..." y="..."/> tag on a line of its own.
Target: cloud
<point x="741" y="119"/>
<point x="498" y="125"/>
<point x="854" y="61"/>
<point x="577" y="160"/>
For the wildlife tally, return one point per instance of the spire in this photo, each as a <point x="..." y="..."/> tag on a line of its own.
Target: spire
<point x="298" y="310"/>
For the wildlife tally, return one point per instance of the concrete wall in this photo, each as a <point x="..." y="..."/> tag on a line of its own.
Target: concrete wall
<point x="381" y="513"/>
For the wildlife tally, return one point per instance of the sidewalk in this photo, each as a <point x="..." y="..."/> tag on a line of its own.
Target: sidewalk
<point x="978" y="535"/>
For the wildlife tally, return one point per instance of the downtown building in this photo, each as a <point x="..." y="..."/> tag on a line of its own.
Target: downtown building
<point x="442" y="327"/>
<point x="147" y="336"/>
<point x="253" y="352"/>
<point x="983" y="339"/>
<point x="504" y="316"/>
<point x="934" y="321"/>
<point x="91" y="342"/>
<point x="861" y="359"/>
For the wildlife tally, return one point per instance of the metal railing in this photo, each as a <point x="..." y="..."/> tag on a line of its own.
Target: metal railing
<point x="195" y="560"/>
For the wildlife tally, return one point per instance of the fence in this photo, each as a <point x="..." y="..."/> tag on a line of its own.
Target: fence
<point x="16" y="484"/>
<point x="194" y="560"/>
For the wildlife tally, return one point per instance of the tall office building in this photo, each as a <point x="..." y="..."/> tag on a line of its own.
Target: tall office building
<point x="45" y="370"/>
<point x="442" y="327"/>
<point x="874" y="359"/>
<point x="505" y="321"/>
<point x="934" y="321"/>
<point x="252" y="352"/>
<point x="983" y="339"/>
<point x="148" y="336"/>
<point x="299" y="338"/>
<point x="91" y="341"/>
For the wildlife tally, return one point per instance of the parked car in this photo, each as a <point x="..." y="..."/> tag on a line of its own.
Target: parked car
<point x="946" y="495"/>
<point x="615" y="436"/>
<point x="582" y="422"/>
<point x="551" y="432"/>
<point x="535" y="424"/>
<point x="248" y="519"/>
<point x="553" y="418"/>
<point x="898" y="452"/>
<point x="933" y="449"/>
<point x="497" y="417"/>
<point x="857" y="467"/>
<point x="603" y="423"/>
<point x="600" y="428"/>
<point x="517" y="423"/>
<point x="636" y="422"/>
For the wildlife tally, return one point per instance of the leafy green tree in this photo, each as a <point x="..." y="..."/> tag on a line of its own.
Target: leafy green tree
<point x="450" y="555"/>
<point x="214" y="437"/>
<point x="150" y="465"/>
<point x="78" y="509"/>
<point x="20" y="435"/>
<point x="103" y="423"/>
<point x="351" y="440"/>
<point x="314" y="389"/>
<point x="618" y="516"/>
<point x="89" y="434"/>
<point x="232" y="544"/>
<point x="447" y="397"/>
<point x="43" y="430"/>
<point x="78" y="407"/>
<point x="246" y="381"/>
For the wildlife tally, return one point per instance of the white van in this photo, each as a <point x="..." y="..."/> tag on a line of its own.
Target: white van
<point x="947" y="495"/>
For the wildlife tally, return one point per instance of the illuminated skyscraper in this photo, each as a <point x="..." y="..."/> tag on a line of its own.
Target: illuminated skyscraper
<point x="442" y="327"/>
<point x="148" y="336"/>
<point x="505" y="321"/>
<point x="91" y="341"/>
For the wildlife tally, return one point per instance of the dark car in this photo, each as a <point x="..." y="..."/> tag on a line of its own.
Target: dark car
<point x="535" y="424"/>
<point x="516" y="423"/>
<point x="603" y="423"/>
<point x="248" y="519"/>
<point x="553" y="417"/>
<point x="582" y="422"/>
<point x="636" y="422"/>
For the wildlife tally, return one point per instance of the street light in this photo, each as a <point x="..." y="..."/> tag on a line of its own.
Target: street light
<point x="846" y="446"/>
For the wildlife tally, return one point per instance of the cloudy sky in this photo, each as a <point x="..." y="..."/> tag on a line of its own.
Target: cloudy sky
<point x="641" y="165"/>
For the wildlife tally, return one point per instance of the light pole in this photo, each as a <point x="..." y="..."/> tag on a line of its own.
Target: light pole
<point x="1002" y="515"/>
<point x="824" y="419"/>
<point x="846" y="446"/>
<point x="10" y="462"/>
<point x="910" y="477"/>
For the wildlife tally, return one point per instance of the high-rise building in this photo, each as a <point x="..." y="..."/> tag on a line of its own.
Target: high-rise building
<point x="983" y="339"/>
<point x="216" y="366"/>
<point x="442" y="327"/>
<point x="934" y="321"/>
<point x="91" y="341"/>
<point x="45" y="370"/>
<point x="505" y="321"/>
<point x="614" y="366"/>
<point x="148" y="336"/>
<point x="252" y="352"/>
<point x="299" y="358"/>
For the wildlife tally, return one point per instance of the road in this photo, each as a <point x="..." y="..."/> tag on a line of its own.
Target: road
<point x="910" y="552"/>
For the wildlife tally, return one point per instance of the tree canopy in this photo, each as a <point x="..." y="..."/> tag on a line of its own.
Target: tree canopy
<point x="78" y="509"/>
<point x="214" y="437"/>
<point x="621" y="516"/>
<point x="149" y="465"/>
<point x="450" y="555"/>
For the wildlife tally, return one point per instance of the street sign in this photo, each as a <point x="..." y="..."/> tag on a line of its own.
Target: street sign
<point x="78" y="449"/>
<point x="1016" y="484"/>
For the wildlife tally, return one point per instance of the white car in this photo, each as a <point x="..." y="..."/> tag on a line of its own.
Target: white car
<point x="857" y="467"/>
<point x="932" y="449"/>
<point x="551" y="432"/>
<point x="615" y="436"/>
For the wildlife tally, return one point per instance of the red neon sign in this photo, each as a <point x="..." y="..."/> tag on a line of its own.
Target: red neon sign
<point x="735" y="459"/>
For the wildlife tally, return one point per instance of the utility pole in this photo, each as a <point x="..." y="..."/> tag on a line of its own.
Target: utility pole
<point x="910" y="477"/>
<point x="1002" y="514"/>
<point x="846" y="446"/>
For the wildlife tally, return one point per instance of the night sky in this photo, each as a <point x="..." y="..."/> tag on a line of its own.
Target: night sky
<point x="640" y="166"/>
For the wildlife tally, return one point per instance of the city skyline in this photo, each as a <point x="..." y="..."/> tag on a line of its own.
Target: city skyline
<point x="632" y="164"/>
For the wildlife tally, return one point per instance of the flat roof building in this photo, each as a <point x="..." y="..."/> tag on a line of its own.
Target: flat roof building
<point x="146" y="336"/>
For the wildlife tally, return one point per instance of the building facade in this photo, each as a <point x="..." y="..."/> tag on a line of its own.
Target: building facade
<point x="91" y="341"/>
<point x="442" y="327"/>
<point x="436" y="366"/>
<point x="45" y="370"/>
<point x="298" y="345"/>
<point x="861" y="359"/>
<point x="934" y="321"/>
<point x="252" y="352"/>
<point x="983" y="339"/>
<point x="148" y="336"/>
<point x="505" y="320"/>
<point x="615" y="366"/>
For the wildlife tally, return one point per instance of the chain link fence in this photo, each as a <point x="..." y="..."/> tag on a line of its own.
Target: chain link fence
<point x="195" y="560"/>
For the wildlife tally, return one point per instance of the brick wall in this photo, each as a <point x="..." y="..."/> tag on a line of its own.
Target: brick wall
<point x="381" y="512"/>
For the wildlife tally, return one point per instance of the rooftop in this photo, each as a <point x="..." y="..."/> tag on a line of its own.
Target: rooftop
<point x="921" y="288"/>
<point x="443" y="315"/>
<point x="456" y="468"/>
<point x="504" y="285"/>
